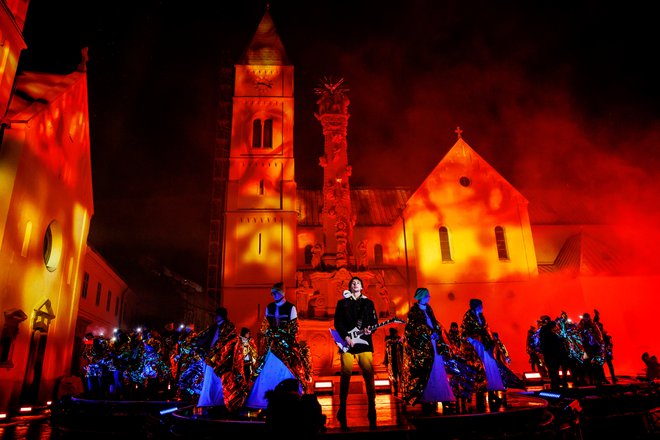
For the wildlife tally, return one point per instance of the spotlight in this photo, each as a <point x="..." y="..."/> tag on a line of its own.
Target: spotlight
<point x="532" y="378"/>
<point x="383" y="385"/>
<point x="324" y="386"/>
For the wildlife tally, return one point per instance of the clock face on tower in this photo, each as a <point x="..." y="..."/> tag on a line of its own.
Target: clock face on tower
<point x="262" y="84"/>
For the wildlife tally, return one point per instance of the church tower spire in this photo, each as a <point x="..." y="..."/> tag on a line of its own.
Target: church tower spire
<point x="259" y="241"/>
<point x="337" y="219"/>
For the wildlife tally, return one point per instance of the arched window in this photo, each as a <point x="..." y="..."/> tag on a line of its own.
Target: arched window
<point x="256" y="133"/>
<point x="308" y="254"/>
<point x="378" y="254"/>
<point x="445" y="249"/>
<point x="262" y="133"/>
<point x="261" y="187"/>
<point x="502" y="253"/>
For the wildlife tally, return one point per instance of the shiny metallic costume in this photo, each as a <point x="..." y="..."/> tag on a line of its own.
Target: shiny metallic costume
<point x="283" y="343"/>
<point x="221" y="357"/>
<point x="470" y="327"/>
<point x="571" y="337"/>
<point x="419" y="353"/>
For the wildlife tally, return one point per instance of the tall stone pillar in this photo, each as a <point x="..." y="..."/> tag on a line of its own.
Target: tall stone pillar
<point x="337" y="217"/>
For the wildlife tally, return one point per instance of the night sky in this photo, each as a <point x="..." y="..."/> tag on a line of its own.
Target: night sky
<point x="557" y="96"/>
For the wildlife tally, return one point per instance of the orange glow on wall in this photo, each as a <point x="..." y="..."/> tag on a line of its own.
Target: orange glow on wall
<point x="45" y="207"/>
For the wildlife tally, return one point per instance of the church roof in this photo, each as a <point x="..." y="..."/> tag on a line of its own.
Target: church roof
<point x="35" y="91"/>
<point x="372" y="206"/>
<point x="265" y="48"/>
<point x="584" y="255"/>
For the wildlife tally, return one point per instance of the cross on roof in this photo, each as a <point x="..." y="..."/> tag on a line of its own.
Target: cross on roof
<point x="458" y="131"/>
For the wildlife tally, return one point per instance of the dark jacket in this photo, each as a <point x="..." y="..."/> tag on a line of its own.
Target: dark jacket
<point x="356" y="314"/>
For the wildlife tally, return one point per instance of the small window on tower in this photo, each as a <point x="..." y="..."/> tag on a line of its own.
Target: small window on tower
<point x="261" y="187"/>
<point x="500" y="239"/>
<point x="445" y="249"/>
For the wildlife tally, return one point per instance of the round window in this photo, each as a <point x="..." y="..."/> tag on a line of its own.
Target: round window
<point x="53" y="246"/>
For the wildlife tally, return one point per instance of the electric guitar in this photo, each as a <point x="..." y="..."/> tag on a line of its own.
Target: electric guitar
<point x="356" y="333"/>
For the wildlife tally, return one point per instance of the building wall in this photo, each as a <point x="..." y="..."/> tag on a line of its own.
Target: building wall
<point x="259" y="242"/>
<point x="105" y="316"/>
<point x="45" y="156"/>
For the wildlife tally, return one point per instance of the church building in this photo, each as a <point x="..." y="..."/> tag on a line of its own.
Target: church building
<point x="464" y="233"/>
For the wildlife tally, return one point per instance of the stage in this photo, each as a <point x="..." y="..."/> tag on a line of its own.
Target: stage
<point x="629" y="409"/>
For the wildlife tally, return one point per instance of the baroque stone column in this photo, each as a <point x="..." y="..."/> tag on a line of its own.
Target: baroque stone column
<point x="336" y="217"/>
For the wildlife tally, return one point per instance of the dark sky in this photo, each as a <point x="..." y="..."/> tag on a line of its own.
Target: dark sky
<point x="554" y="94"/>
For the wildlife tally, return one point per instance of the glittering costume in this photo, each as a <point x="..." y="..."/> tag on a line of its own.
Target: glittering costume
<point x="155" y="365"/>
<point x="475" y="327"/>
<point x="462" y="374"/>
<point x="425" y="349"/>
<point x="95" y="355"/>
<point x="573" y="346"/>
<point x="594" y="349"/>
<point x="189" y="367"/>
<point x="120" y="352"/>
<point x="246" y="349"/>
<point x="223" y="376"/>
<point x="283" y="357"/>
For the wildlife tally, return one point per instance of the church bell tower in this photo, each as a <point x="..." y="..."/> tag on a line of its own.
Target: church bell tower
<point x="259" y="242"/>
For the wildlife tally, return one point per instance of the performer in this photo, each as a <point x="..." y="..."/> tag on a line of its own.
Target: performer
<point x="393" y="359"/>
<point x="573" y="345"/>
<point x="594" y="349"/>
<point x="356" y="311"/>
<point x="476" y="332"/>
<point x="247" y="350"/>
<point x="554" y="352"/>
<point x="190" y="366"/>
<point x="424" y="376"/>
<point x="607" y="341"/>
<point x="283" y="357"/>
<point x="223" y="384"/>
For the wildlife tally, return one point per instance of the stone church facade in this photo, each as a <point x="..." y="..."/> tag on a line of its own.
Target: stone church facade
<point x="466" y="232"/>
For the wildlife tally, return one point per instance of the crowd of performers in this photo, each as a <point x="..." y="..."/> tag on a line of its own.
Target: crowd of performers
<point x="559" y="348"/>
<point x="217" y="367"/>
<point x="429" y="364"/>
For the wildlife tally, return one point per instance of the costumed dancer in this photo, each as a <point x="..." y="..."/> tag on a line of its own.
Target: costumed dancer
<point x="572" y="341"/>
<point x="424" y="376"/>
<point x="283" y="357"/>
<point x="190" y="366"/>
<point x="223" y="384"/>
<point x="247" y="350"/>
<point x="594" y="348"/>
<point x="475" y="330"/>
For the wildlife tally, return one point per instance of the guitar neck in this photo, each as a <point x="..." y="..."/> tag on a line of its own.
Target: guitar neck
<point x="375" y="326"/>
